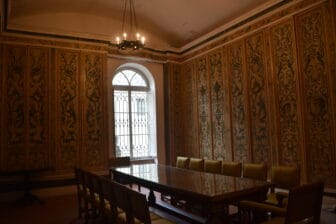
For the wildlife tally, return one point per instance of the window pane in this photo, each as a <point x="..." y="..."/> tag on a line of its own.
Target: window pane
<point x="138" y="80"/>
<point x="129" y="74"/>
<point x="120" y="80"/>
<point x="140" y="124"/>
<point x="121" y="123"/>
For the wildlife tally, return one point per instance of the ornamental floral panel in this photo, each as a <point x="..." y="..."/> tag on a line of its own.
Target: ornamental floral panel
<point x="286" y="98"/>
<point x="14" y="106"/>
<point x="240" y="136"/>
<point x="313" y="60"/>
<point x="37" y="106"/>
<point x="93" y="113"/>
<point x="204" y="116"/>
<point x="189" y="111"/>
<point x="257" y="89"/>
<point x="1" y="103"/>
<point x="218" y="105"/>
<point x="68" y="117"/>
<point x="176" y="95"/>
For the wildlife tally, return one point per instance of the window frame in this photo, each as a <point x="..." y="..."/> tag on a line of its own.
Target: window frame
<point x="129" y="88"/>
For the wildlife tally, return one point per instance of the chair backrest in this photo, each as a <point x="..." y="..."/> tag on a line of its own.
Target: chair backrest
<point x="182" y="162"/>
<point x="212" y="166"/>
<point x="304" y="202"/>
<point x="120" y="194"/>
<point x="255" y="171"/>
<point x="96" y="184"/>
<point x="119" y="161"/>
<point x="231" y="168"/>
<point x="285" y="177"/>
<point x="79" y="177"/>
<point x="107" y="194"/>
<point x="196" y="164"/>
<point x="87" y="181"/>
<point x="139" y="207"/>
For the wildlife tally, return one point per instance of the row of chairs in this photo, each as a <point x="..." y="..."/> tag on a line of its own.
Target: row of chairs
<point x="114" y="202"/>
<point x="282" y="177"/>
<point x="296" y="203"/>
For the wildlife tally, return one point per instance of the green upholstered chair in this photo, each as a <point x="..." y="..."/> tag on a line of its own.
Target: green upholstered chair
<point x="255" y="171"/>
<point x="212" y="166"/>
<point x="231" y="168"/>
<point x="304" y="206"/>
<point x="196" y="164"/>
<point x="182" y="162"/>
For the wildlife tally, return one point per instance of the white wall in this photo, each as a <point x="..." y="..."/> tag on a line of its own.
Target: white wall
<point x="156" y="69"/>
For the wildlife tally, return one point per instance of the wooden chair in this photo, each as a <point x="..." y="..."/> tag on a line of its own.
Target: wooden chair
<point x="196" y="164"/>
<point x="108" y="203"/>
<point x="140" y="210"/>
<point x="212" y="166"/>
<point x="182" y="162"/>
<point x="231" y="168"/>
<point x="255" y="171"/>
<point x="304" y="204"/>
<point x="283" y="178"/>
<point x="120" y="195"/>
<point x="88" y="195"/>
<point x="95" y="191"/>
<point x="81" y="199"/>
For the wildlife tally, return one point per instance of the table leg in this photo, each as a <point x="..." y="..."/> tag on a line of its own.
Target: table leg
<point x="151" y="197"/>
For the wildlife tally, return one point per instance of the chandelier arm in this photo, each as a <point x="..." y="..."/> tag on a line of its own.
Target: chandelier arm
<point x="124" y="16"/>
<point x="131" y="16"/>
<point x="134" y="16"/>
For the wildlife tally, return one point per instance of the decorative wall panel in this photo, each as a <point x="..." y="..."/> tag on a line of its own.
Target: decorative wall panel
<point x="313" y="63"/>
<point x="1" y="111"/>
<point x="189" y="114"/>
<point x="204" y="107"/>
<point x="219" y="129"/>
<point x="240" y="129"/>
<point x="177" y="108"/>
<point x="258" y="98"/>
<point x="15" y="65"/>
<point x="285" y="75"/>
<point x="227" y="107"/>
<point x="68" y="114"/>
<point x="37" y="106"/>
<point x="93" y="110"/>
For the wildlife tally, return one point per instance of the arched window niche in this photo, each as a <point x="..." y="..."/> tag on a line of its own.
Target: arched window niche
<point x="134" y="112"/>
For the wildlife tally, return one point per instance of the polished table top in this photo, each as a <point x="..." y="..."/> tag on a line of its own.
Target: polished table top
<point x="215" y="186"/>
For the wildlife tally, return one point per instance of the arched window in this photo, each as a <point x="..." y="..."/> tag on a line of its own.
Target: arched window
<point x="134" y="113"/>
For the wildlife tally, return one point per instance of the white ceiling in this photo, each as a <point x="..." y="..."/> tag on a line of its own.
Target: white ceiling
<point x="167" y="24"/>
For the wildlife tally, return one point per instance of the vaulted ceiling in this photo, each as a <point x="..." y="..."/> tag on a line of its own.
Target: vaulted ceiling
<point x="167" y="24"/>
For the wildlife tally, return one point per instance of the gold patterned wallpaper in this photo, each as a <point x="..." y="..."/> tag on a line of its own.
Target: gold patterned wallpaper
<point x="268" y="96"/>
<point x="53" y="108"/>
<point x="266" y="92"/>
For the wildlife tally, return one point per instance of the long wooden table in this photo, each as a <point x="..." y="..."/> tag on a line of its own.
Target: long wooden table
<point x="214" y="192"/>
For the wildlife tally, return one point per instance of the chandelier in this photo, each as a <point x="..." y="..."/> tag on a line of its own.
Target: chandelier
<point x="130" y="30"/>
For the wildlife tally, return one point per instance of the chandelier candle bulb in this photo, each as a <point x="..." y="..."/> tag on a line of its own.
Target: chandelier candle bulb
<point x="124" y="44"/>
